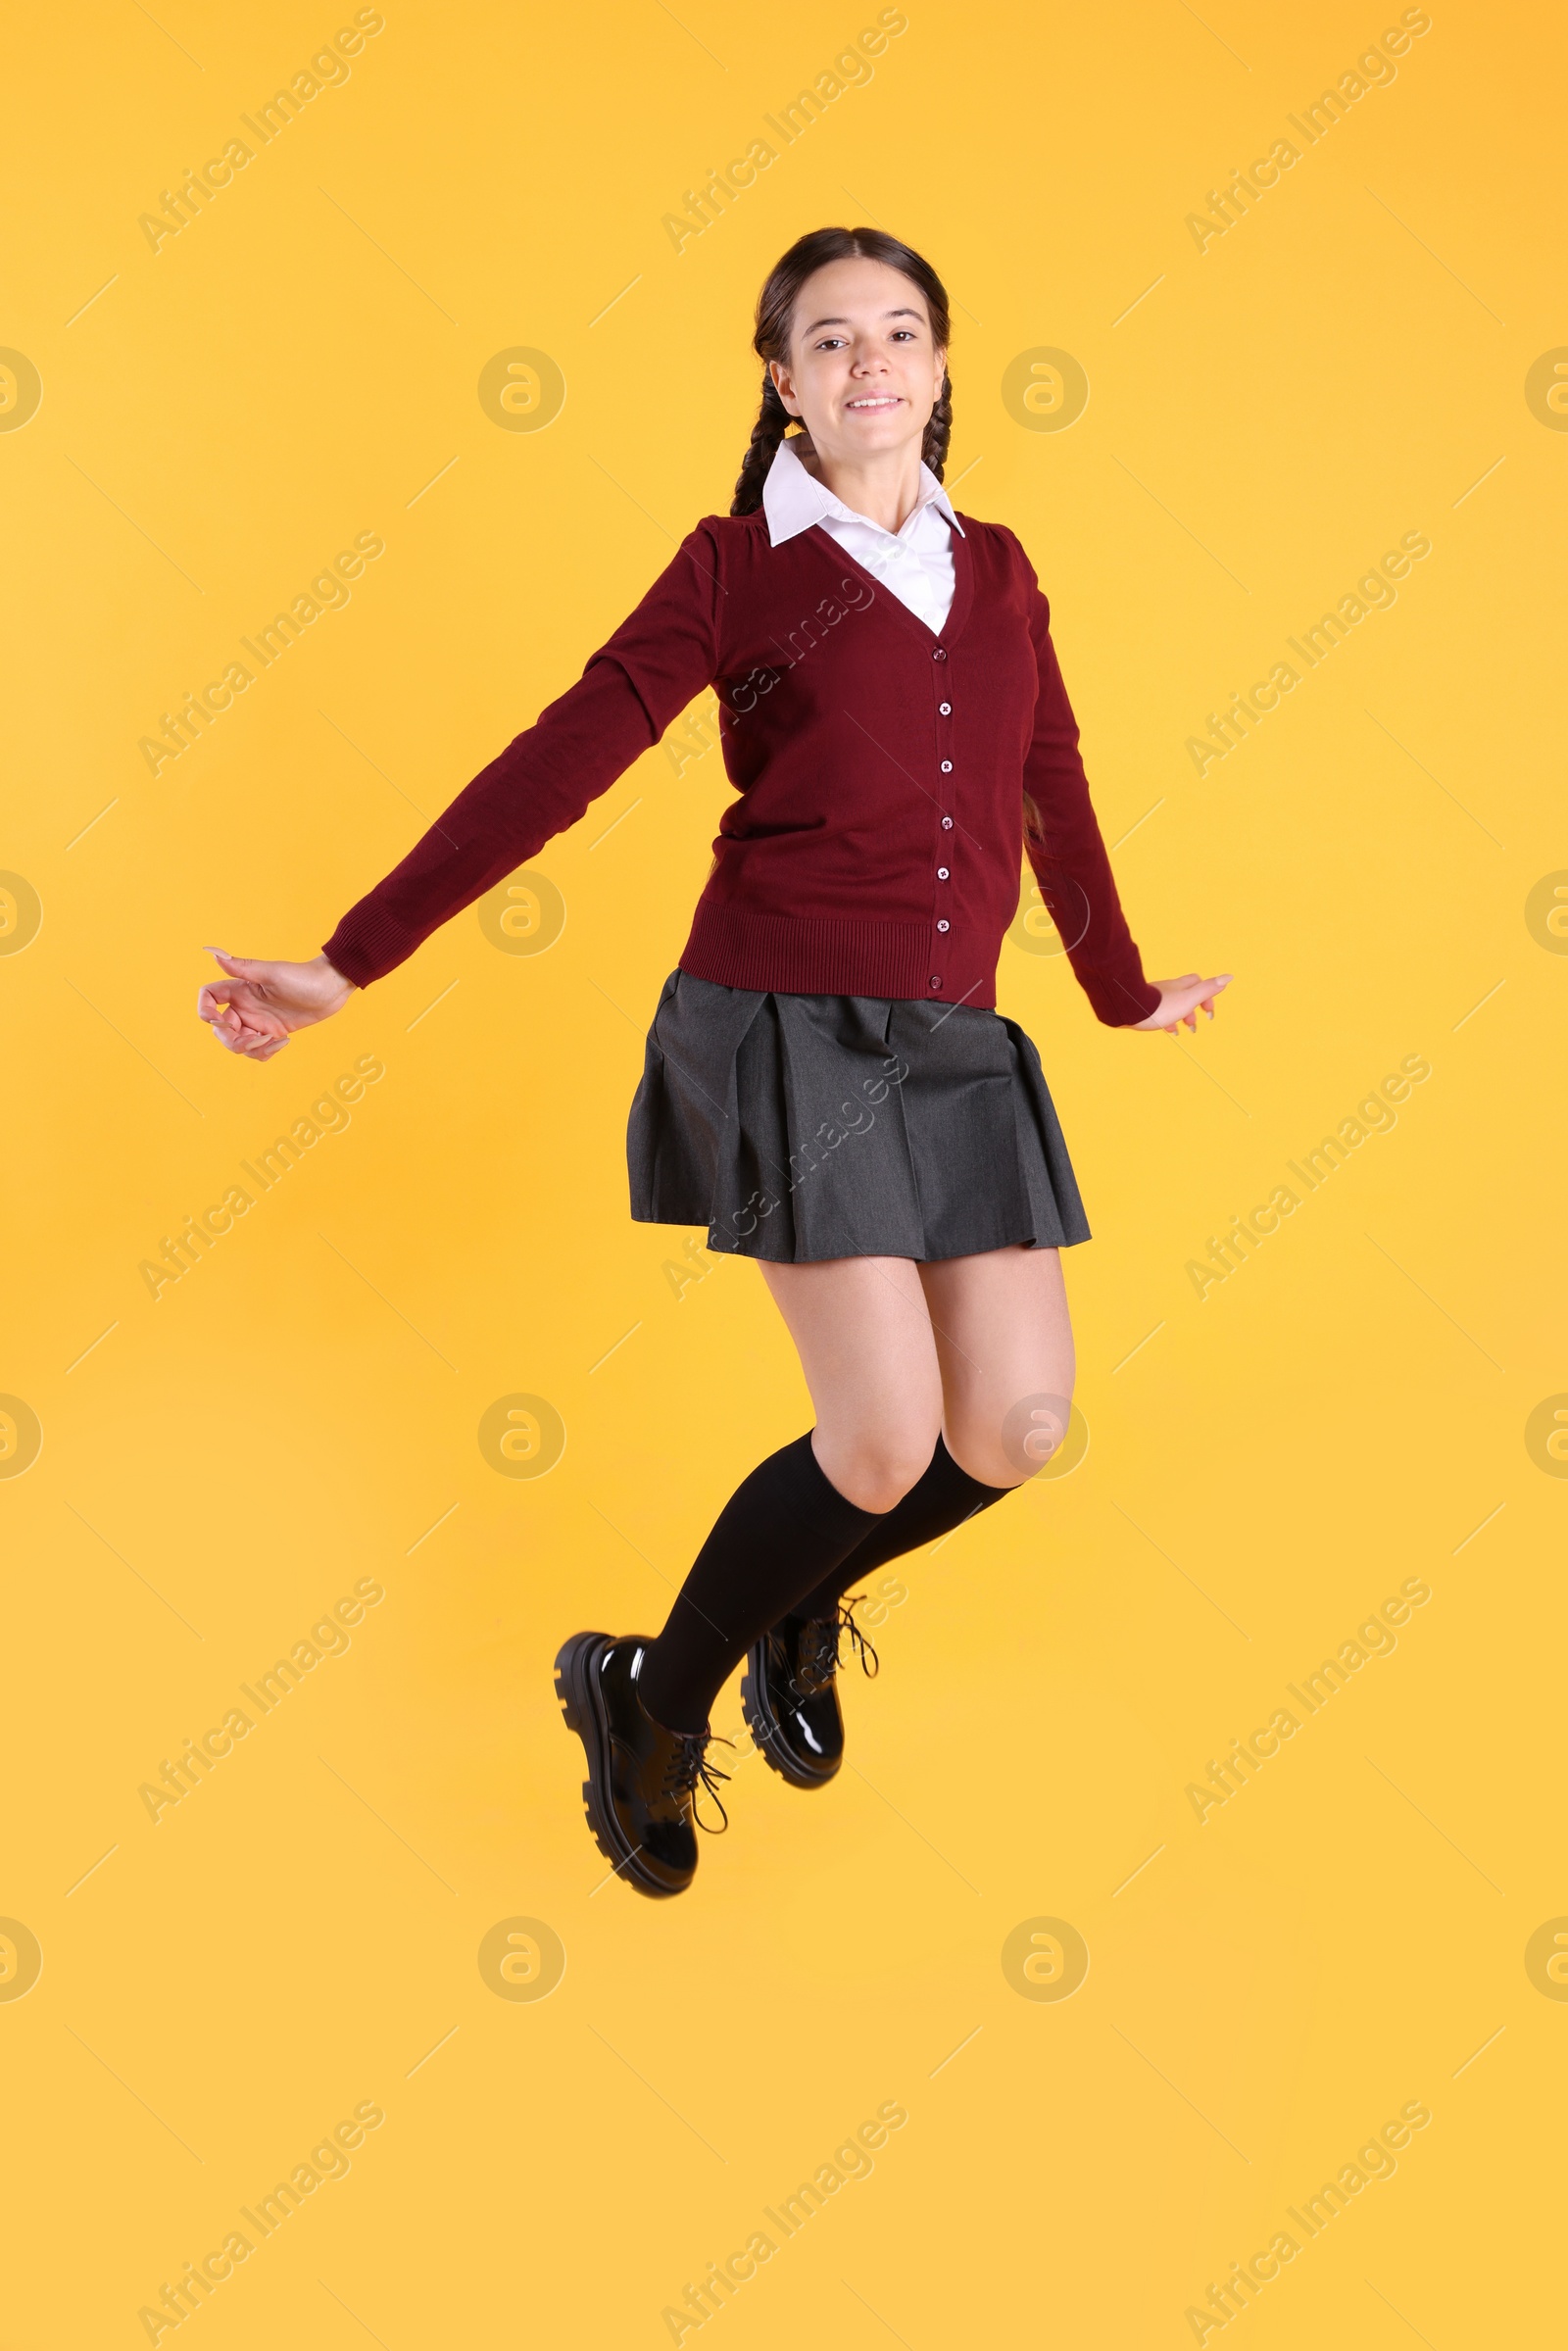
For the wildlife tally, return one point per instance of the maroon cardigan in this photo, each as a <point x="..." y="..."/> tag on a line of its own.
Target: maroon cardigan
<point x="875" y="843"/>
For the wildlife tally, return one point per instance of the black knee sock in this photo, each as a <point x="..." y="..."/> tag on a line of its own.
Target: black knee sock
<point x="940" y="1500"/>
<point x="783" y="1529"/>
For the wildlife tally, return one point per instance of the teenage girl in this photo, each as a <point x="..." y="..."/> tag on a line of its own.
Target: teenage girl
<point x="827" y="1085"/>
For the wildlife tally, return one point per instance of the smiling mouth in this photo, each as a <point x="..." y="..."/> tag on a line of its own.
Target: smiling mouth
<point x="875" y="400"/>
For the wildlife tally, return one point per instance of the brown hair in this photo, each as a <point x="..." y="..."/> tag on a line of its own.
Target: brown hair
<point x="775" y="312"/>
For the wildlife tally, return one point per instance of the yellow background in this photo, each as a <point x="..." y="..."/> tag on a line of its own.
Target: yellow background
<point x="217" y="1467"/>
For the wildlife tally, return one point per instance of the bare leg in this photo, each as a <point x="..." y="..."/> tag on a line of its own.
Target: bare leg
<point x="863" y="1331"/>
<point x="980" y="1347"/>
<point x="1004" y="1342"/>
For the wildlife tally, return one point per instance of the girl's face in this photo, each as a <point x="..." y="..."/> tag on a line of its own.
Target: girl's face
<point x="863" y="372"/>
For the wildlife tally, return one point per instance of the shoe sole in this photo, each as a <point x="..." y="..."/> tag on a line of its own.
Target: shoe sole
<point x="766" y="1730"/>
<point x="576" y="1689"/>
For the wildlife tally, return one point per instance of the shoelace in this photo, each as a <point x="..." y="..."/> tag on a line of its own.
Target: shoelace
<point x="823" y="1650"/>
<point x="689" y="1768"/>
<point x="860" y="1646"/>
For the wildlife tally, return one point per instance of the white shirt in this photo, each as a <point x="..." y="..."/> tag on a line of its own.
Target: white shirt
<point x="914" y="564"/>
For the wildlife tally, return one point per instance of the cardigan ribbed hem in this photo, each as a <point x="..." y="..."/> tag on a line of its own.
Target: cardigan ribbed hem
<point x="828" y="955"/>
<point x="1113" y="999"/>
<point x="366" y="945"/>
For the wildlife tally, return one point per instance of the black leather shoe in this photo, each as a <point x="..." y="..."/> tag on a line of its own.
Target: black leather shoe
<point x="790" y="1694"/>
<point x="641" y="1789"/>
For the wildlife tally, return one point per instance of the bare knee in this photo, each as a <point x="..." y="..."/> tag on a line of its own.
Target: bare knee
<point x="874" y="1468"/>
<point x="1016" y="1444"/>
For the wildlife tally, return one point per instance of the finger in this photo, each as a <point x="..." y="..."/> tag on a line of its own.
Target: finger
<point x="242" y="1034"/>
<point x="253" y="1017"/>
<point x="235" y="966"/>
<point x="218" y="992"/>
<point x="246" y="1041"/>
<point x="228" y="1025"/>
<point x="244" y="967"/>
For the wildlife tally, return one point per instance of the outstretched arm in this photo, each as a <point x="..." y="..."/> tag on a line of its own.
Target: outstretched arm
<point x="660" y="657"/>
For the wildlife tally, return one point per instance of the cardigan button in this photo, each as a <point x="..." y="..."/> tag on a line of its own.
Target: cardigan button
<point x="947" y="825"/>
<point x="945" y="709"/>
<point x="942" y="874"/>
<point x="943" y="925"/>
<point x="935" y="979"/>
<point x="947" y="767"/>
<point x="941" y="654"/>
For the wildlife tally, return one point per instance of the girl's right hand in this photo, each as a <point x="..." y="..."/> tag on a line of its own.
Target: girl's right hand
<point x="258" y="1007"/>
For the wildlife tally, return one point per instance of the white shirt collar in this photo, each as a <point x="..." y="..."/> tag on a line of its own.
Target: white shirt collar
<point x="792" y="500"/>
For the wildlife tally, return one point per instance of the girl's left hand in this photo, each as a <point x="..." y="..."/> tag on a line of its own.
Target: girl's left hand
<point x="1179" y="1001"/>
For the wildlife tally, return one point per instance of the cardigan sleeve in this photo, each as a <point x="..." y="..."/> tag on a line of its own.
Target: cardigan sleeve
<point x="658" y="659"/>
<point x="1069" y="860"/>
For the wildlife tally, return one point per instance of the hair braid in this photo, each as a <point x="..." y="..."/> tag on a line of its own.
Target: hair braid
<point x="939" y="429"/>
<point x="772" y="422"/>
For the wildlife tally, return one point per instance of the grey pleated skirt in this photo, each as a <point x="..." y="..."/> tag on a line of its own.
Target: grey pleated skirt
<point x="797" y="1128"/>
